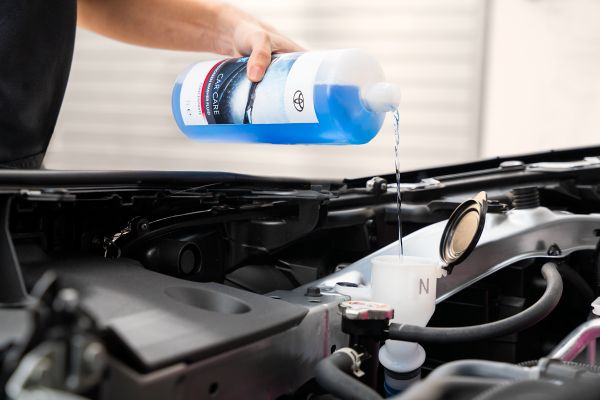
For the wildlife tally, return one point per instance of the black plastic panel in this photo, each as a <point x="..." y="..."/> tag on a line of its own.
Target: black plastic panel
<point x="103" y="179"/>
<point x="156" y="320"/>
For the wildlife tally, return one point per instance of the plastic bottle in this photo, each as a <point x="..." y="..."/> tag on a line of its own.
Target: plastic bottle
<point x="327" y="97"/>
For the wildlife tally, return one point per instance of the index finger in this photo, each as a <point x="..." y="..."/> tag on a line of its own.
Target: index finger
<point x="260" y="57"/>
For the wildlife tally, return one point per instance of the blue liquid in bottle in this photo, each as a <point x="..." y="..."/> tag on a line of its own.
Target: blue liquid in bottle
<point x="342" y="116"/>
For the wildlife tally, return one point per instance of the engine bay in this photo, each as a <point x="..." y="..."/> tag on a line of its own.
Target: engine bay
<point x="203" y="285"/>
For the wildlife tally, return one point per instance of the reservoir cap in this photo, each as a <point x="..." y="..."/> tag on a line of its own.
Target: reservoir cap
<point x="463" y="230"/>
<point x="365" y="310"/>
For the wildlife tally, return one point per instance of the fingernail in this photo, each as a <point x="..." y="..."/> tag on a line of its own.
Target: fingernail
<point x="254" y="74"/>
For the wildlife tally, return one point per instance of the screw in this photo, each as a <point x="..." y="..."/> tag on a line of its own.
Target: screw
<point x="41" y="372"/>
<point x="142" y="225"/>
<point x="67" y="300"/>
<point x="376" y="185"/>
<point x="313" y="291"/>
<point x="94" y="358"/>
<point x="554" y="250"/>
<point x="512" y="164"/>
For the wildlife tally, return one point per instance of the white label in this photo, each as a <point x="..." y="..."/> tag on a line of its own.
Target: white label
<point x="220" y="93"/>
<point x="299" y="88"/>
<point x="190" y="102"/>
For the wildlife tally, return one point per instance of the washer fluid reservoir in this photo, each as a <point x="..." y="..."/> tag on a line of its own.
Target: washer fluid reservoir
<point x="408" y="284"/>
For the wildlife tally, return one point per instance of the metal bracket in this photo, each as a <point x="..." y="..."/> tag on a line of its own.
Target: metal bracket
<point x="356" y="360"/>
<point x="587" y="162"/>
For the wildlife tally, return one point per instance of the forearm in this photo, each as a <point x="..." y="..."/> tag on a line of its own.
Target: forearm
<point x="192" y="25"/>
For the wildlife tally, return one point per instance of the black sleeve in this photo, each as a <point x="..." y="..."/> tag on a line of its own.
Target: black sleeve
<point x="36" y="48"/>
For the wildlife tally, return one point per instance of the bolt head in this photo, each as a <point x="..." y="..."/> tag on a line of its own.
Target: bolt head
<point x="67" y="300"/>
<point x="376" y="185"/>
<point x="41" y="372"/>
<point x="94" y="357"/>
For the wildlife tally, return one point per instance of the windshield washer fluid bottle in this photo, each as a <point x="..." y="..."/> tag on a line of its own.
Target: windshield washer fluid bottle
<point x="317" y="97"/>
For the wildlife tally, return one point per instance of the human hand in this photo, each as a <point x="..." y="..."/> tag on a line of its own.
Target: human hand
<point x="246" y="35"/>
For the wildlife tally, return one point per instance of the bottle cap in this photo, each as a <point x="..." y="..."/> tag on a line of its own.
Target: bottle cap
<point x="381" y="97"/>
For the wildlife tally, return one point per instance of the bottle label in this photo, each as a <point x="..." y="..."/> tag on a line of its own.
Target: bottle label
<point x="221" y="93"/>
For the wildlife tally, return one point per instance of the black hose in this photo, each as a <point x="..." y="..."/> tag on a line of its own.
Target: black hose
<point x="579" y="284"/>
<point x="588" y="367"/>
<point x="596" y="267"/>
<point x="47" y="394"/>
<point x="480" y="369"/>
<point x="586" y="390"/>
<point x="512" y="324"/>
<point x="522" y="390"/>
<point x="333" y="375"/>
<point x="454" y="387"/>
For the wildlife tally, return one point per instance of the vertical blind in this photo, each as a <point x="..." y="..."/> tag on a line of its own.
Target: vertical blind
<point x="117" y="109"/>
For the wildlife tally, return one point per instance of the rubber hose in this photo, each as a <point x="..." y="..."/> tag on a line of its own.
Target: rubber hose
<point x="596" y="267"/>
<point x="333" y="375"/>
<point x="480" y="369"/>
<point x="522" y="390"/>
<point x="47" y="394"/>
<point x="590" y="368"/>
<point x="587" y="390"/>
<point x="576" y="280"/>
<point x="456" y="387"/>
<point x="544" y="390"/>
<point x="516" y="323"/>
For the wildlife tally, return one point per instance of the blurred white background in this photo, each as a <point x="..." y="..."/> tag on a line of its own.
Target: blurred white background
<point x="542" y="86"/>
<point x="479" y="78"/>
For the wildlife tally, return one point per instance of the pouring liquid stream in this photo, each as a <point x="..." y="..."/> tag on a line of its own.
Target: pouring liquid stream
<point x="396" y="116"/>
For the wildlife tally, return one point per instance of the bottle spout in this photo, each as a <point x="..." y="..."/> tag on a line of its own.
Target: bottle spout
<point x="382" y="97"/>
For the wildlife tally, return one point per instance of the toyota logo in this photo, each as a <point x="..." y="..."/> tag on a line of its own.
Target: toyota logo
<point x="298" y="101"/>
